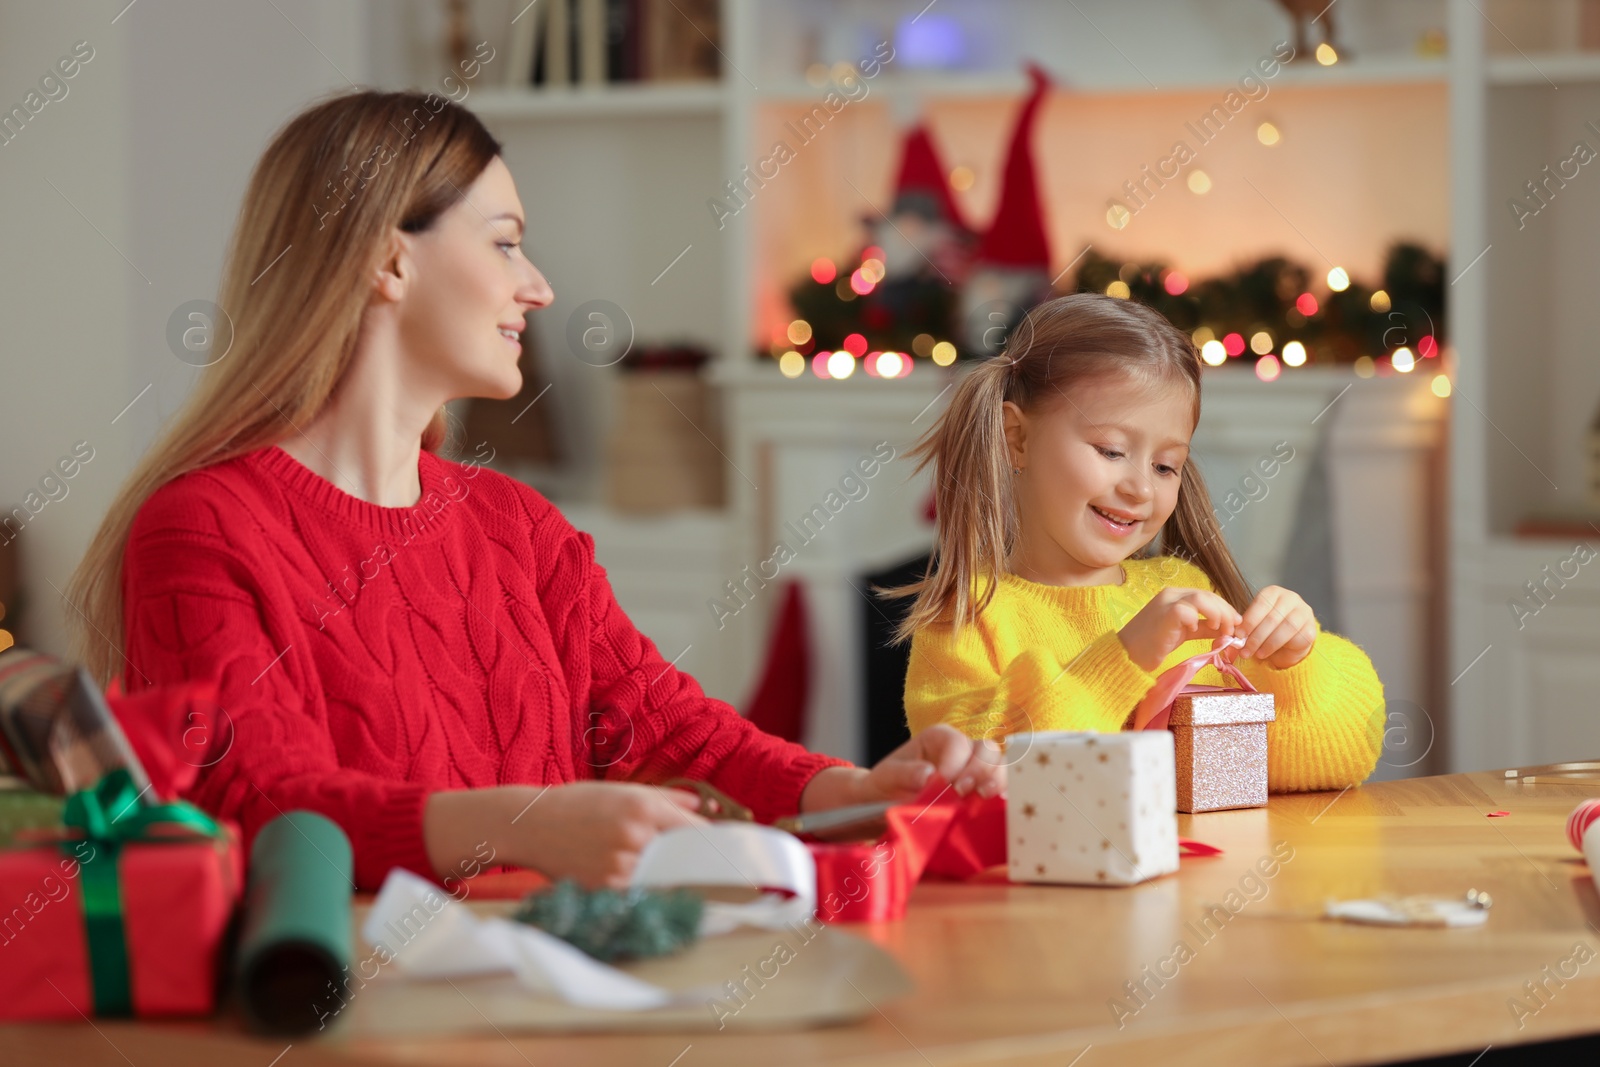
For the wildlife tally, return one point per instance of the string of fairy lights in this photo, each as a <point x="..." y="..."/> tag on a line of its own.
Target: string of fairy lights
<point x="796" y="352"/>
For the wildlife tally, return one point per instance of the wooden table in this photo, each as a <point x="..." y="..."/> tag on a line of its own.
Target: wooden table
<point x="1030" y="974"/>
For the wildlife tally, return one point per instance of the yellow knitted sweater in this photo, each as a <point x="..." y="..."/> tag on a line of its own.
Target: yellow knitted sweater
<point x="1045" y="657"/>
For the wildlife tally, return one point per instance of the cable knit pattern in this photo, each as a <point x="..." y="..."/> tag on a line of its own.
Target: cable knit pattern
<point x="369" y="656"/>
<point x="1044" y="657"/>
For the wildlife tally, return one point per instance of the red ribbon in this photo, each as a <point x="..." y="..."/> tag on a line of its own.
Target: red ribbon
<point x="1156" y="707"/>
<point x="939" y="835"/>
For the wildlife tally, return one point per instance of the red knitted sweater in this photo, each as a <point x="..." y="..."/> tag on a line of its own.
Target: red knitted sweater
<point x="368" y="656"/>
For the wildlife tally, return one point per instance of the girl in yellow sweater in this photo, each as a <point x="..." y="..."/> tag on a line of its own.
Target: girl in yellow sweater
<point x="1078" y="555"/>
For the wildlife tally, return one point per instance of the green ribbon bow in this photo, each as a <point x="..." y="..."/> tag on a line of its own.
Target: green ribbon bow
<point x="110" y="814"/>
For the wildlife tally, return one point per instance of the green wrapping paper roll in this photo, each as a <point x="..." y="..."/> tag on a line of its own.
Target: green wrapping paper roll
<point x="296" y="941"/>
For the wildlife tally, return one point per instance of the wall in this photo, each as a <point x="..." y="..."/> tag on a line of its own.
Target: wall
<point x="119" y="201"/>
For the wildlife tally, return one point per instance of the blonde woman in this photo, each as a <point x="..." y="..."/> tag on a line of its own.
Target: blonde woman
<point x="415" y="648"/>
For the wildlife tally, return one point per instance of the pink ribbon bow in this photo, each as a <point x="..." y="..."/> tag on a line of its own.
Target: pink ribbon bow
<point x="1156" y="707"/>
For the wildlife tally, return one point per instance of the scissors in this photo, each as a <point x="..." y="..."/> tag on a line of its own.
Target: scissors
<point x="854" y="823"/>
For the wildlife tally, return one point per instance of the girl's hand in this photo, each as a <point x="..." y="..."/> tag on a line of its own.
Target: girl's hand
<point x="1279" y="627"/>
<point x="1173" y="616"/>
<point x="940" y="750"/>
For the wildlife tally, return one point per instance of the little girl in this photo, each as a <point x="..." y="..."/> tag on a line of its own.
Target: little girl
<point x="1078" y="555"/>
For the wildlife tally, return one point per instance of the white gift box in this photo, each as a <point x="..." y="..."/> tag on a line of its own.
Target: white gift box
<point x="1091" y="808"/>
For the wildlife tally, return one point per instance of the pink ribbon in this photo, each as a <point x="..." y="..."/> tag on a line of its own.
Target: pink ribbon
<point x="1156" y="707"/>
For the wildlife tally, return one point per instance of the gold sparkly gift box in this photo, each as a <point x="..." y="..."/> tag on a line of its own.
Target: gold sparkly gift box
<point x="1220" y="741"/>
<point x="1089" y="808"/>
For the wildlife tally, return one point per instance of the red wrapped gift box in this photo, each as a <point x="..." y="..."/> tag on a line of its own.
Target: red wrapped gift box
<point x="939" y="835"/>
<point x="177" y="898"/>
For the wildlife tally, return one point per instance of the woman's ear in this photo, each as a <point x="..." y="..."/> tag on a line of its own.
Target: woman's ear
<point x="395" y="268"/>
<point x="1016" y="430"/>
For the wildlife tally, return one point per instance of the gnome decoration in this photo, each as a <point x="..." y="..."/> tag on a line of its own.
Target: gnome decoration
<point x="904" y="283"/>
<point x="1011" y="269"/>
<point x="924" y="277"/>
<point x="924" y="233"/>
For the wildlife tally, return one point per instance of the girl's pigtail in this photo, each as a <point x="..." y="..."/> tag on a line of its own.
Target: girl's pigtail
<point x="972" y="498"/>
<point x="1192" y="533"/>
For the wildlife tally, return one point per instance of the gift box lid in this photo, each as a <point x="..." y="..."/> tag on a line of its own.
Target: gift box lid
<point x="1087" y="738"/>
<point x="1215" y="705"/>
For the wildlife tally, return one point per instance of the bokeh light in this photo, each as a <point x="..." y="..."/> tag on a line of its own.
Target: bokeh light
<point x="1213" y="353"/>
<point x="799" y="332"/>
<point x="1338" y="280"/>
<point x="1118" y="289"/>
<point x="1175" y="283"/>
<point x="841" y="364"/>
<point x="1294" y="354"/>
<point x="1199" y="182"/>
<point x="1379" y="301"/>
<point x="944" y="353"/>
<point x="1267" y="368"/>
<point x="1268" y="134"/>
<point x="1261" y="342"/>
<point x="792" y="364"/>
<point x="823" y="271"/>
<point x="1364" y="367"/>
<point x="1440" y="385"/>
<point x="1117" y="216"/>
<point x="1402" y="360"/>
<point x="1233" y="344"/>
<point x="1306" y="304"/>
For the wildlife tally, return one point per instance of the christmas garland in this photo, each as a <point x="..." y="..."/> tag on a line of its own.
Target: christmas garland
<point x="1273" y="295"/>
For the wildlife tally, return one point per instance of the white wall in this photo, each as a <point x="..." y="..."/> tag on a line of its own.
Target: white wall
<point x="148" y="155"/>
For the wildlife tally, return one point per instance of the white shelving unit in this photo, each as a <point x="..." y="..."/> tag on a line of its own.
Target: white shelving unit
<point x="622" y="101"/>
<point x="1525" y="319"/>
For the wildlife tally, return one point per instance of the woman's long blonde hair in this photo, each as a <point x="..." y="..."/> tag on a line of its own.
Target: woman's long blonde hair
<point x="319" y="212"/>
<point x="1058" y="344"/>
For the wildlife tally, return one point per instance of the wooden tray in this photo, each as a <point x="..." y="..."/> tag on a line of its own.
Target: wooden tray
<point x="798" y="977"/>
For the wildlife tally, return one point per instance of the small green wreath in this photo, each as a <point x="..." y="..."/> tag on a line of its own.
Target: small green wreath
<point x="613" y="925"/>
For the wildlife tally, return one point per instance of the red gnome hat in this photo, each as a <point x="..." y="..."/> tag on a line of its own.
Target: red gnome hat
<point x="923" y="178"/>
<point x="1016" y="237"/>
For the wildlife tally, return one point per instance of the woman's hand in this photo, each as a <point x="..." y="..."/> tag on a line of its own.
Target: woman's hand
<point x="1173" y="616"/>
<point x="939" y="750"/>
<point x="1280" y="628"/>
<point x="589" y="831"/>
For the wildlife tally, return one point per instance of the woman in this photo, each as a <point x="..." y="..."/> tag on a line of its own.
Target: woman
<point x="412" y="647"/>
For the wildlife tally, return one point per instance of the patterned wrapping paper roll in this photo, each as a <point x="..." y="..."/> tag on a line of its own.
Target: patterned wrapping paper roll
<point x="296" y="941"/>
<point x="1583" y="832"/>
